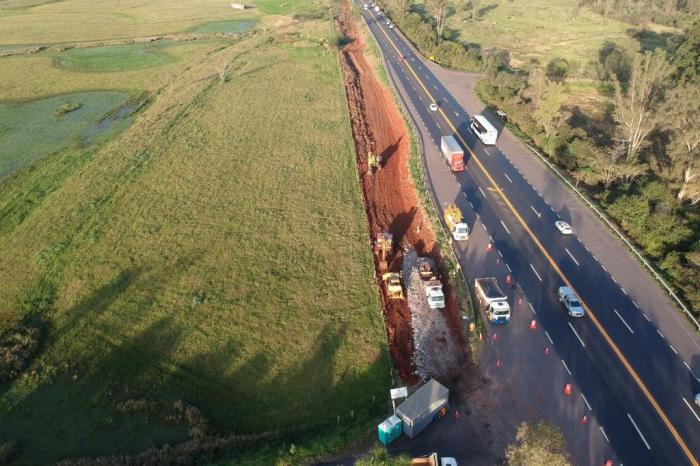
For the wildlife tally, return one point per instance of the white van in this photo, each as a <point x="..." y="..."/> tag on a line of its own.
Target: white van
<point x="484" y="130"/>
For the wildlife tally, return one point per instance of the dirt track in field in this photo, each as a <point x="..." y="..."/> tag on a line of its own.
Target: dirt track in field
<point x="392" y="204"/>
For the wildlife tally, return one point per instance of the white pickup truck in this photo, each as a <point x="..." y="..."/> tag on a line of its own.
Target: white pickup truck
<point x="493" y="300"/>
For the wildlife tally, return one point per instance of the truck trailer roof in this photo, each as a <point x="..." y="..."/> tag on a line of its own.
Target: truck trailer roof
<point x="452" y="144"/>
<point x="490" y="288"/>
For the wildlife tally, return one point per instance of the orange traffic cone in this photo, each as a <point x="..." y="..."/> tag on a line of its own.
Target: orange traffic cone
<point x="481" y="337"/>
<point x="609" y="463"/>
<point x="533" y="325"/>
<point x="498" y="363"/>
<point x="494" y="337"/>
<point x="520" y="300"/>
<point x="489" y="247"/>
<point x="457" y="415"/>
<point x="568" y="389"/>
<point x="584" y="419"/>
<point x="509" y="280"/>
<point x="546" y="350"/>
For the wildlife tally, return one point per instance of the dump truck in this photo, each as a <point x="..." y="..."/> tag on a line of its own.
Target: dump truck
<point x="453" y="153"/>
<point x="434" y="460"/>
<point x="453" y="219"/>
<point x="382" y="248"/>
<point x="393" y="285"/>
<point x="492" y="299"/>
<point x="431" y="282"/>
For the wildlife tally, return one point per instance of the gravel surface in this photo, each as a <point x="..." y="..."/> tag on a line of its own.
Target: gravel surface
<point x="436" y="354"/>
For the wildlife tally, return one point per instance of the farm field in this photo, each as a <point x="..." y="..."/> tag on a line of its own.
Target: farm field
<point x="200" y="270"/>
<point x="541" y="30"/>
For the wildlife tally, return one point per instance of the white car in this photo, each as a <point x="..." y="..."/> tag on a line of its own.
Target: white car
<point x="563" y="227"/>
<point x="433" y="107"/>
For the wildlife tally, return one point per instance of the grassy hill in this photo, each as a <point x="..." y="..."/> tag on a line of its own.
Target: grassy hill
<point x="203" y="272"/>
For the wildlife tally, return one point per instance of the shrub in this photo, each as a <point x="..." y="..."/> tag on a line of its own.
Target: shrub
<point x="8" y="451"/>
<point x="67" y="108"/>
<point x="17" y="345"/>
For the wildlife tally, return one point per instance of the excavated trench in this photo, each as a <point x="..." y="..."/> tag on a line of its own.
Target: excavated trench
<point x="392" y="205"/>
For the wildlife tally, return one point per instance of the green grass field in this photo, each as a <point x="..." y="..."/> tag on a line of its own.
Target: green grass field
<point x="115" y="58"/>
<point x="539" y="30"/>
<point x="237" y="25"/>
<point x="214" y="251"/>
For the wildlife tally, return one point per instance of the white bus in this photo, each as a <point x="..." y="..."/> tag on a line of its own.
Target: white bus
<point x="484" y="130"/>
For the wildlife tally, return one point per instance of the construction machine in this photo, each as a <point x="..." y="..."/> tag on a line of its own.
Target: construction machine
<point x="382" y="248"/>
<point x="426" y="269"/>
<point x="374" y="162"/>
<point x="393" y="285"/>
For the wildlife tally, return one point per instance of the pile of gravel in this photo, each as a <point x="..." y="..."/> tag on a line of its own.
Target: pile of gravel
<point x="436" y="352"/>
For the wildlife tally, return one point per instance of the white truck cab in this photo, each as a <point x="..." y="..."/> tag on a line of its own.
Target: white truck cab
<point x="434" y="294"/>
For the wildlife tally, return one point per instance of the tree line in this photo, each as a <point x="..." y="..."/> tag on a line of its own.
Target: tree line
<point x="639" y="157"/>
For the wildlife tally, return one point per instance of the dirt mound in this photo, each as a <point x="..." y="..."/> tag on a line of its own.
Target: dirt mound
<point x="391" y="202"/>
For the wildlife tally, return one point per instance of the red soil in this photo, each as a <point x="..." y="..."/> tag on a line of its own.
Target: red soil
<point x="390" y="198"/>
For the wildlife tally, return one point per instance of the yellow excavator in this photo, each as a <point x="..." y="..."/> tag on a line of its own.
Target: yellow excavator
<point x="374" y="162"/>
<point x="382" y="248"/>
<point x="393" y="285"/>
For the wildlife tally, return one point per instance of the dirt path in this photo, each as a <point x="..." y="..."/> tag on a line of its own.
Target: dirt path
<point x="392" y="204"/>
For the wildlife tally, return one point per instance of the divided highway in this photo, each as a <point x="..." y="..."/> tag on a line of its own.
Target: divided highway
<point x="637" y="387"/>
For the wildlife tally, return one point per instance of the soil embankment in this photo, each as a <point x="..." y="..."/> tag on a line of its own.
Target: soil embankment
<point x="392" y="205"/>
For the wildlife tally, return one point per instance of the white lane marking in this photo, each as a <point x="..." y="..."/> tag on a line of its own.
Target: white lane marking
<point x="586" y="401"/>
<point x="572" y="257"/>
<point x="470" y="204"/>
<point x="548" y="337"/>
<point x="577" y="336"/>
<point x="586" y="248"/>
<point x="673" y="348"/>
<point x="500" y="254"/>
<point x="531" y="307"/>
<point x="508" y="267"/>
<point x="691" y="409"/>
<point x="435" y="87"/>
<point x="566" y="367"/>
<point x="623" y="321"/>
<point x="484" y="226"/>
<point x="635" y="304"/>
<point x="538" y="275"/>
<point x="686" y="365"/>
<point x="482" y="191"/>
<point x="639" y="431"/>
<point x="508" y="177"/>
<point x="624" y="291"/>
<point x="660" y="334"/>
<point x="613" y="279"/>
<point x="505" y="227"/>
<point x="477" y="215"/>
<point x="603" y="432"/>
<point x="535" y="211"/>
<point x="456" y="114"/>
<point x="606" y="270"/>
<point x="646" y="317"/>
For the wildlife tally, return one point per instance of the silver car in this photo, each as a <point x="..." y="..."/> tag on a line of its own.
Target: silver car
<point x="570" y="301"/>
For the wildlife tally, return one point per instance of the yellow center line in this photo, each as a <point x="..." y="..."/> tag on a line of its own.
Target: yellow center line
<point x="590" y="313"/>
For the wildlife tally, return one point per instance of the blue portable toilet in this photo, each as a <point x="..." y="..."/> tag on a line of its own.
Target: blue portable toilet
<point x="389" y="430"/>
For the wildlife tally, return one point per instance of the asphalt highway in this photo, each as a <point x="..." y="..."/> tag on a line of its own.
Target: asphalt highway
<point x="638" y="391"/>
